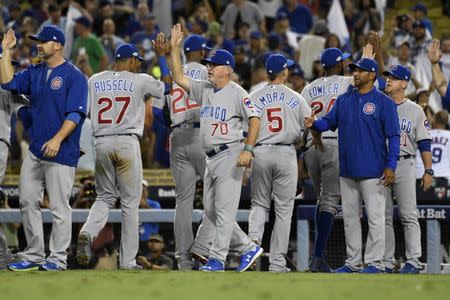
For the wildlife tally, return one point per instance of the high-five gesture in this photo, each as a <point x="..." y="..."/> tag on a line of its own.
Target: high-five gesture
<point x="177" y="36"/>
<point x="160" y="45"/>
<point x="434" y="52"/>
<point x="310" y="120"/>
<point x="9" y="39"/>
<point x="368" y="52"/>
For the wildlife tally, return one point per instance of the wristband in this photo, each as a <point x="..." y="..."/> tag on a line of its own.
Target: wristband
<point x="248" y="148"/>
<point x="163" y="66"/>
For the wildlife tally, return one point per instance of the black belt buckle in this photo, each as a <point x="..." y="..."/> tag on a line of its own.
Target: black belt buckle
<point x="217" y="150"/>
<point x="405" y="156"/>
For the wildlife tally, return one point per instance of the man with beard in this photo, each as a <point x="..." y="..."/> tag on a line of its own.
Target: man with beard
<point x="366" y="118"/>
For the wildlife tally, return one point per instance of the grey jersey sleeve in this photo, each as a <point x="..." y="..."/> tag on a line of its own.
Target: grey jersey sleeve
<point x="159" y="102"/>
<point x="305" y="111"/>
<point x="422" y="127"/>
<point x="196" y="89"/>
<point x="152" y="86"/>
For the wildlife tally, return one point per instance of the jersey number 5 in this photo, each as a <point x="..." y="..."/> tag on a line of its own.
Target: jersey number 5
<point x="275" y="121"/>
<point x="108" y="106"/>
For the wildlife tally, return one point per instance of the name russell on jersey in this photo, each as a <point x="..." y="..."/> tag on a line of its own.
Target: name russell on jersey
<point x="113" y="85"/>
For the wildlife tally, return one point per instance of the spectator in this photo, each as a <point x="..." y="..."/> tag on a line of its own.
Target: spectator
<point x="55" y="17"/>
<point x="13" y="21"/>
<point x="419" y="41"/>
<point x="143" y="39"/>
<point x="155" y="259"/>
<point x="423" y="96"/>
<point x="403" y="29"/>
<point x="367" y="18"/>
<point x="120" y="13"/>
<point x="36" y="11"/>
<point x="215" y="40"/>
<point x="332" y="41"/>
<point x="88" y="44"/>
<point x="297" y="78"/>
<point x="242" y="66"/>
<point x="288" y="38"/>
<point x="300" y="17"/>
<point x="147" y="229"/>
<point x="442" y="85"/>
<point x="256" y="48"/>
<point x="420" y="12"/>
<point x="238" y="12"/>
<point x="110" y="40"/>
<point x="269" y="9"/>
<point x="445" y="59"/>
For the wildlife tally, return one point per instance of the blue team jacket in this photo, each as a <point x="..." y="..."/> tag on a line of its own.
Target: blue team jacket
<point x="365" y="122"/>
<point x="51" y="100"/>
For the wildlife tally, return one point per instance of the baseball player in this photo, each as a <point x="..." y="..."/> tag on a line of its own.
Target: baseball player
<point x="187" y="160"/>
<point x="58" y="99"/>
<point x="366" y="118"/>
<point x="117" y="110"/>
<point x="8" y="104"/>
<point x="323" y="166"/>
<point x="274" y="173"/>
<point x="415" y="133"/>
<point x="225" y="107"/>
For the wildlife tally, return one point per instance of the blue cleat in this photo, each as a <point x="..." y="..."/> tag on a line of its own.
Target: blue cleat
<point x="409" y="269"/>
<point x="371" y="270"/>
<point x="23" y="266"/>
<point x="389" y="270"/>
<point x="248" y="258"/>
<point x="319" y="265"/>
<point x="50" y="266"/>
<point x="344" y="270"/>
<point x="213" y="265"/>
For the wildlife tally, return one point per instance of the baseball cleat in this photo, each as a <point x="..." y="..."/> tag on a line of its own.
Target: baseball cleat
<point x="213" y="265"/>
<point x="299" y="195"/>
<point x="409" y="269"/>
<point x="248" y="258"/>
<point x="200" y="258"/>
<point x="371" y="270"/>
<point x="344" y="270"/>
<point x="84" y="252"/>
<point x="389" y="270"/>
<point x="23" y="266"/>
<point x="319" y="265"/>
<point x="50" y="266"/>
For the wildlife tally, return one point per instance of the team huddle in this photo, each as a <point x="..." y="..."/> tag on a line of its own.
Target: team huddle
<point x="358" y="144"/>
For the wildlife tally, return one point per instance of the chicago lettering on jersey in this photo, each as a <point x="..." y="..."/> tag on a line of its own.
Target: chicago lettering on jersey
<point x="439" y="140"/>
<point x="270" y="98"/>
<point x="213" y="112"/>
<point x="194" y="74"/>
<point x="319" y="90"/>
<point x="406" y="125"/>
<point x="113" y="85"/>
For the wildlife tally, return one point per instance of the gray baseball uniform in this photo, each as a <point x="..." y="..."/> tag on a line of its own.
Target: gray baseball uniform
<point x="187" y="161"/>
<point x="222" y="115"/>
<point x="274" y="173"/>
<point x="8" y="104"/>
<point x="323" y="167"/>
<point x="117" y="111"/>
<point x="413" y="126"/>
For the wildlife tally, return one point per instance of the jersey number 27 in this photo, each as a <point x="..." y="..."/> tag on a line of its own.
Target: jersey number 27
<point x="109" y="104"/>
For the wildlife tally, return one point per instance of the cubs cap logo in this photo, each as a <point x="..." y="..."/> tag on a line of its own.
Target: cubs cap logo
<point x="369" y="108"/>
<point x="248" y="103"/>
<point x="56" y="83"/>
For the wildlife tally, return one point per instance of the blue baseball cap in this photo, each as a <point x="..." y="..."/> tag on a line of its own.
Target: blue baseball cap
<point x="332" y="56"/>
<point x="220" y="57"/>
<point x="275" y="63"/>
<point x="281" y="15"/>
<point x="365" y="64"/>
<point x="421" y="7"/>
<point x="195" y="42"/>
<point x="399" y="72"/>
<point x="83" y="20"/>
<point x="13" y="62"/>
<point x="296" y="70"/>
<point x="127" y="50"/>
<point x="418" y="23"/>
<point x="49" y="33"/>
<point x="255" y="35"/>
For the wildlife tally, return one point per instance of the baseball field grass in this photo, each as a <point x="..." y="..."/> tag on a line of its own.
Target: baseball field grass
<point x="151" y="285"/>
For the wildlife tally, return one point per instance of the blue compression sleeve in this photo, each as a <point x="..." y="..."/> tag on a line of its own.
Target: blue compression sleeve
<point x="424" y="145"/>
<point x="321" y="125"/>
<point x="164" y="72"/>
<point x="159" y="115"/>
<point x="74" y="117"/>
<point x="394" y="151"/>
<point x="25" y="116"/>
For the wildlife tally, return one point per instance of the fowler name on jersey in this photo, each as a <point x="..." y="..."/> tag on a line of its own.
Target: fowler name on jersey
<point x="319" y="90"/>
<point x="270" y="98"/>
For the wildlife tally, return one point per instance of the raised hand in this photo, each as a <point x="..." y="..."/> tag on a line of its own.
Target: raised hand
<point x="368" y="52"/>
<point x="310" y="120"/>
<point x="177" y="36"/>
<point x="434" y="51"/>
<point x="160" y="46"/>
<point x="9" y="39"/>
<point x="375" y="41"/>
